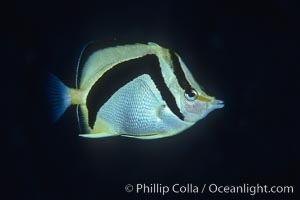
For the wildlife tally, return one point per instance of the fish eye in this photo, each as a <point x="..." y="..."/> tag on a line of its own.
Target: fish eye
<point x="191" y="94"/>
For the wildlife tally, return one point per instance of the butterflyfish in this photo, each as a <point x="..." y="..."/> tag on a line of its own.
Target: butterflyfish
<point x="148" y="106"/>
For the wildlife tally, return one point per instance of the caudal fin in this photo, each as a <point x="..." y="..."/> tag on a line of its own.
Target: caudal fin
<point x="59" y="97"/>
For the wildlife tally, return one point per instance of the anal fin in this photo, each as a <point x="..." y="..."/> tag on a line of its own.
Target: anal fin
<point x="101" y="129"/>
<point x="97" y="135"/>
<point x="148" y="137"/>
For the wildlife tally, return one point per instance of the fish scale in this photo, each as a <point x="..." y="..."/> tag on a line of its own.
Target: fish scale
<point x="134" y="112"/>
<point x="137" y="108"/>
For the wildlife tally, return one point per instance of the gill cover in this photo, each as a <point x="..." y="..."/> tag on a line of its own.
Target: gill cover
<point x="141" y="107"/>
<point x="192" y="101"/>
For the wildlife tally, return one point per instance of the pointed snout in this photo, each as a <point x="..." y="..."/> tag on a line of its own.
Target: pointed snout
<point x="217" y="104"/>
<point x="213" y="103"/>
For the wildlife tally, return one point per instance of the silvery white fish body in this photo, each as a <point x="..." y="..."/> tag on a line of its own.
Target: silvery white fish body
<point x="143" y="107"/>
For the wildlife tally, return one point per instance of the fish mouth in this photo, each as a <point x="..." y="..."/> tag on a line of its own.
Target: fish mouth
<point x="218" y="104"/>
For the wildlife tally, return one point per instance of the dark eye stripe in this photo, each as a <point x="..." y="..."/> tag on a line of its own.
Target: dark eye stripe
<point x="123" y="73"/>
<point x="184" y="84"/>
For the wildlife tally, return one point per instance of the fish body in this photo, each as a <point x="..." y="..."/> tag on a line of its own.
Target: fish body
<point x="140" y="107"/>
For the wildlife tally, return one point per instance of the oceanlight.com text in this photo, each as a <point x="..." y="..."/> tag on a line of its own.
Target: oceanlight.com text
<point x="190" y="188"/>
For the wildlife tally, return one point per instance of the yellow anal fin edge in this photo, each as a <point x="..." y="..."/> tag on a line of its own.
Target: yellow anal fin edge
<point x="100" y="129"/>
<point x="97" y="135"/>
<point x="82" y="119"/>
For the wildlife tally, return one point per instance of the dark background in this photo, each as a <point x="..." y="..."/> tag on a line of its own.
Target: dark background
<point x="245" y="53"/>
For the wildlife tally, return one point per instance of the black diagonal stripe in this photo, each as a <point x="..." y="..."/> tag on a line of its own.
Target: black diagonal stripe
<point x="94" y="46"/>
<point x="121" y="74"/>
<point x="183" y="82"/>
